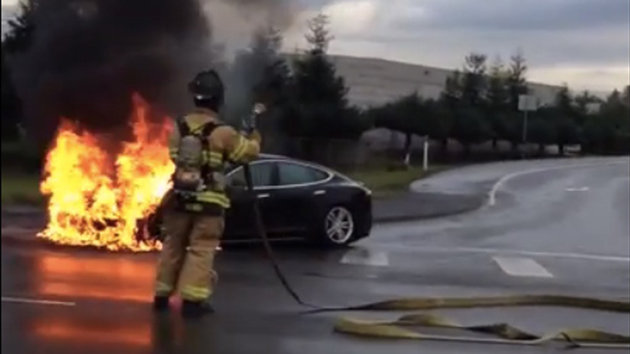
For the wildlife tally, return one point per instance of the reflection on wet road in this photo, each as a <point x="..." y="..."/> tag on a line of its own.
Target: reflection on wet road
<point x="68" y="300"/>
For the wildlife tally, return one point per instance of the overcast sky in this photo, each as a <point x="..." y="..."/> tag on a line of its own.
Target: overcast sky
<point x="584" y="43"/>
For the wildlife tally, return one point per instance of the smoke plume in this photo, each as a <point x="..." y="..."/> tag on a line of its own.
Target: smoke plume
<point x="88" y="57"/>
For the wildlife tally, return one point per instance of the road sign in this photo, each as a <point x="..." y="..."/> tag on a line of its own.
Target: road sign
<point x="527" y="103"/>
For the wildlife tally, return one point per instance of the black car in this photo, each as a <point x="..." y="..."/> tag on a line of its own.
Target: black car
<point x="298" y="199"/>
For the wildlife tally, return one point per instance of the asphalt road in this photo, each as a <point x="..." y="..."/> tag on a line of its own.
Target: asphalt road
<point x="561" y="230"/>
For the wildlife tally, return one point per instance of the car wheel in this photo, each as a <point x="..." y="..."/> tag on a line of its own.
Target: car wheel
<point x="339" y="227"/>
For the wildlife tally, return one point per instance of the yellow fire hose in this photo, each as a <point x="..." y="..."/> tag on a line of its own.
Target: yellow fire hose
<point x="398" y="328"/>
<point x="504" y="333"/>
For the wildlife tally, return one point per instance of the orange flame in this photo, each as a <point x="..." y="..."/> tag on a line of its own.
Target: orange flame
<point x="97" y="198"/>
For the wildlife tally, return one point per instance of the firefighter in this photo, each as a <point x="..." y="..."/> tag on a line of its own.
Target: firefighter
<point x="193" y="221"/>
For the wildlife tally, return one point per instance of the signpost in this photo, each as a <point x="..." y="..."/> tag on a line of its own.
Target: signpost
<point x="425" y="154"/>
<point x="526" y="103"/>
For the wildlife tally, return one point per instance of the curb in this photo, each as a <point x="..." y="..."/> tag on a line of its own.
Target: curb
<point x="436" y="215"/>
<point x="22" y="240"/>
<point x="22" y="210"/>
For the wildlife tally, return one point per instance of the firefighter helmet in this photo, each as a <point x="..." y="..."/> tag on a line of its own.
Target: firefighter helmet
<point x="207" y="89"/>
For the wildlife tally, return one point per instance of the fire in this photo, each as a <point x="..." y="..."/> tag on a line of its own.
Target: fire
<point x="96" y="198"/>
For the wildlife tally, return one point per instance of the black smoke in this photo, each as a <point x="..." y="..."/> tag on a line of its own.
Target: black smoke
<point x="88" y="57"/>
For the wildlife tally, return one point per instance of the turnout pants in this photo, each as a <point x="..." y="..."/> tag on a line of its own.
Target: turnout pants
<point x="187" y="258"/>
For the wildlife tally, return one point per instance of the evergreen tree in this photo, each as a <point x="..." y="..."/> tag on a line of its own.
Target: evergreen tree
<point x="11" y="106"/>
<point x="21" y="28"/>
<point x="516" y="86"/>
<point x="321" y="105"/>
<point x="497" y="104"/>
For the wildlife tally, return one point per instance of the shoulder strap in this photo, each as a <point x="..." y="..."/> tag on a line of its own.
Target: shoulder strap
<point x="183" y="127"/>
<point x="206" y="130"/>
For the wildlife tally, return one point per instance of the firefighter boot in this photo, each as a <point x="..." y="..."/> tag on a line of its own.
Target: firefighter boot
<point x="196" y="309"/>
<point x="160" y="303"/>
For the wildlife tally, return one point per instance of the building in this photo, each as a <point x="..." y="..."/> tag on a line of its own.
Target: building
<point x="373" y="82"/>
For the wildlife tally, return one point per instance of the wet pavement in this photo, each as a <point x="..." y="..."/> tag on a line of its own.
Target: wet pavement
<point x="561" y="231"/>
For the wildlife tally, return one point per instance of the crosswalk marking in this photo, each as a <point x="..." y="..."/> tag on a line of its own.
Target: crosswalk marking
<point x="576" y="189"/>
<point x="363" y="256"/>
<point x="510" y="265"/>
<point x="522" y="267"/>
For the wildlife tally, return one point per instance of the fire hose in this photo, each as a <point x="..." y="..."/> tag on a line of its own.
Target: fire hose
<point x="402" y="327"/>
<point x="398" y="328"/>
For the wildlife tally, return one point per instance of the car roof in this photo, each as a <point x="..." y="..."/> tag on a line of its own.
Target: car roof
<point x="264" y="157"/>
<point x="273" y="157"/>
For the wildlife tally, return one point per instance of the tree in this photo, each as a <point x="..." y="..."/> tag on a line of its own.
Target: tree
<point x="581" y="106"/>
<point x="542" y="129"/>
<point x="438" y="121"/>
<point x="11" y="105"/>
<point x="609" y="130"/>
<point x="599" y="134"/>
<point x="497" y="102"/>
<point x="464" y="105"/>
<point x="516" y="86"/>
<point x="406" y="115"/>
<point x="470" y="126"/>
<point x="320" y="94"/>
<point x="564" y="116"/>
<point x="257" y="74"/>
<point x="516" y="80"/>
<point x="17" y="39"/>
<point x="319" y="36"/>
<point x="452" y="89"/>
<point x="625" y="99"/>
<point x="474" y="81"/>
<point x="21" y="28"/>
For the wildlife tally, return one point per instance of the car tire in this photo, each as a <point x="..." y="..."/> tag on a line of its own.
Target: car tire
<point x="337" y="227"/>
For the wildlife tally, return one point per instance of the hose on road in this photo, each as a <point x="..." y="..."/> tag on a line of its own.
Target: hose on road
<point x="504" y="333"/>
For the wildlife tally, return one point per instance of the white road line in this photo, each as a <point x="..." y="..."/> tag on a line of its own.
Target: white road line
<point x="574" y="189"/>
<point x="492" y="194"/>
<point x="522" y="267"/>
<point x="498" y="251"/>
<point x="37" y="301"/>
<point x="593" y="257"/>
<point x="361" y="256"/>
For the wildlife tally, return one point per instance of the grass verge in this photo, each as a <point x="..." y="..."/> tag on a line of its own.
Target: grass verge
<point x="386" y="183"/>
<point x="21" y="188"/>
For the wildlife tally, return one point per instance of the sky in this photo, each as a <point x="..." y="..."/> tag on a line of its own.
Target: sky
<point x="584" y="43"/>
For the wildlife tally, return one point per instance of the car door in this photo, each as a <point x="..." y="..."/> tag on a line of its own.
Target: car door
<point x="240" y="223"/>
<point x="300" y="195"/>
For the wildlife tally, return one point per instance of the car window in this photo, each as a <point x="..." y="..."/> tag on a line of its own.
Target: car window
<point x="262" y="175"/>
<point x="297" y="174"/>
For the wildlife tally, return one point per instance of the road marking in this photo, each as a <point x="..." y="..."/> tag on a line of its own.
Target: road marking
<point x="363" y="256"/>
<point x="594" y="257"/>
<point x="522" y="267"/>
<point x="492" y="198"/>
<point x="573" y="189"/>
<point x="498" y="251"/>
<point x="37" y="301"/>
